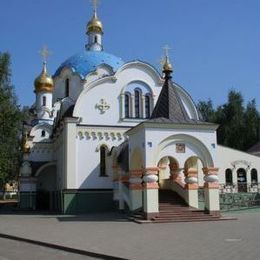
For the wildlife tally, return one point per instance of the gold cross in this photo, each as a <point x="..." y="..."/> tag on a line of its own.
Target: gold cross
<point x="103" y="106"/>
<point x="45" y="53"/>
<point x="166" y="50"/>
<point x="162" y="60"/>
<point x="95" y="3"/>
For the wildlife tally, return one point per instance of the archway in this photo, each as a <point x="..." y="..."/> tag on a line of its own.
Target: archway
<point x="195" y="165"/>
<point x="168" y="166"/>
<point x="241" y="180"/>
<point x="46" y="188"/>
<point x="194" y="179"/>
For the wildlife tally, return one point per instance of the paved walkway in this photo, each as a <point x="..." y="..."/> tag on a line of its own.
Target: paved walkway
<point x="12" y="250"/>
<point x="113" y="235"/>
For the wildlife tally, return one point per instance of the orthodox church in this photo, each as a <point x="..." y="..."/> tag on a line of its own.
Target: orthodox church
<point x="109" y="134"/>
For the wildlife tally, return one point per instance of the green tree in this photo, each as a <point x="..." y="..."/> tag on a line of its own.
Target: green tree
<point x="251" y="118"/>
<point x="206" y="110"/>
<point x="10" y="123"/>
<point x="238" y="125"/>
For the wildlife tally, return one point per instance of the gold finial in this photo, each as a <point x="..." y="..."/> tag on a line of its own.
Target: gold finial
<point x="25" y="146"/>
<point x="44" y="82"/>
<point x="95" y="25"/>
<point x="166" y="49"/>
<point x="166" y="63"/>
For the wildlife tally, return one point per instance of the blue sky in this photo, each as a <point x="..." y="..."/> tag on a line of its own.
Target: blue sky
<point x="215" y="45"/>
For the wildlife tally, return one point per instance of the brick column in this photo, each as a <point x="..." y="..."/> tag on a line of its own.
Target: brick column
<point x="191" y="180"/>
<point x="136" y="188"/>
<point x="151" y="196"/>
<point x="211" y="190"/>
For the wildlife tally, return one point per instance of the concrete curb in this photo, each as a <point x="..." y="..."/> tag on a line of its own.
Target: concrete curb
<point x="63" y="248"/>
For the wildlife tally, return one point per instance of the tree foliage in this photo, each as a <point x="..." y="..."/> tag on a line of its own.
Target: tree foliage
<point x="10" y="123"/>
<point x="238" y="124"/>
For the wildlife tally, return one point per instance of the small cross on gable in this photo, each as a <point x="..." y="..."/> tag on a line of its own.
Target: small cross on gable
<point x="103" y="106"/>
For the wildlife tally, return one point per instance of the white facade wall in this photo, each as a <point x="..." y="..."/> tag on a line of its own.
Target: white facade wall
<point x="229" y="158"/>
<point x="88" y="142"/>
<point x="75" y="85"/>
<point x="155" y="150"/>
<point x="110" y="89"/>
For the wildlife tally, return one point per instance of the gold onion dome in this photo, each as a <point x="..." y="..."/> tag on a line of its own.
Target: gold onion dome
<point x="25" y="145"/>
<point x="26" y="148"/>
<point x="44" y="82"/>
<point x="95" y="25"/>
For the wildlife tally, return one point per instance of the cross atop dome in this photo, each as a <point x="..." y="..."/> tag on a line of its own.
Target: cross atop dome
<point x="95" y="4"/>
<point x="94" y="30"/>
<point x="167" y="67"/>
<point x="45" y="53"/>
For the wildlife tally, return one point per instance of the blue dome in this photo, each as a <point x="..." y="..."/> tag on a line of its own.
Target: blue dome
<point x="85" y="62"/>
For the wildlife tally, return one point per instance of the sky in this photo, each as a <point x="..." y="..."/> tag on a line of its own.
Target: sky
<point x="215" y="44"/>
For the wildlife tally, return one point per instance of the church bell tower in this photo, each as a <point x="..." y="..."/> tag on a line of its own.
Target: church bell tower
<point x="44" y="86"/>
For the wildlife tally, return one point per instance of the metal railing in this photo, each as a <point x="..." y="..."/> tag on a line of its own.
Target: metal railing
<point x="240" y="187"/>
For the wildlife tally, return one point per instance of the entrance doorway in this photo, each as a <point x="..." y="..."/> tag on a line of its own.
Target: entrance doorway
<point x="46" y="195"/>
<point x="241" y="180"/>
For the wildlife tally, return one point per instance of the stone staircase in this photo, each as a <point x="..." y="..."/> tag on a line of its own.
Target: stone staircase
<point x="172" y="208"/>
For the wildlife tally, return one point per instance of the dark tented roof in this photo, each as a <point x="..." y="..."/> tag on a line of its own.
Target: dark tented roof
<point x="169" y="107"/>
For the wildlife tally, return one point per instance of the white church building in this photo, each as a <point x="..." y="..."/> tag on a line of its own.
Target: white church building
<point x="109" y="134"/>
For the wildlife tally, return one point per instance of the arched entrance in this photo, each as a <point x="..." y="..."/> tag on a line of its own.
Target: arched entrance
<point x="241" y="180"/>
<point x="46" y="188"/>
<point x="168" y="169"/>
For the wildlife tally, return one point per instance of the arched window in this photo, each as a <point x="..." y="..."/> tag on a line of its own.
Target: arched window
<point x="43" y="133"/>
<point x="137" y="103"/>
<point x="229" y="177"/>
<point x="241" y="180"/>
<point x="95" y="39"/>
<point x="147" y="106"/>
<point x="254" y="177"/>
<point x="44" y="101"/>
<point x="103" y="149"/>
<point x="127" y="106"/>
<point x="67" y="87"/>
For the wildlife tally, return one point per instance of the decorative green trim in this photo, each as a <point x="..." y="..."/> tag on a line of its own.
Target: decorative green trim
<point x="80" y="202"/>
<point x="27" y="200"/>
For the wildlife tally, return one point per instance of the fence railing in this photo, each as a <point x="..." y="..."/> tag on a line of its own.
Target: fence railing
<point x="239" y="187"/>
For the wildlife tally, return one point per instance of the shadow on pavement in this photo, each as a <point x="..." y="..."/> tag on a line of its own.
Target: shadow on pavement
<point x="96" y="217"/>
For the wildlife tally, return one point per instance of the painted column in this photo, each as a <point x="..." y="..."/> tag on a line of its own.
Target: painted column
<point x="70" y="152"/>
<point x="115" y="183"/>
<point x="123" y="183"/>
<point x="248" y="179"/>
<point x="135" y="189"/>
<point x="152" y="103"/>
<point x="132" y="100"/>
<point x="211" y="190"/>
<point x="118" y="184"/>
<point x="122" y="96"/>
<point x="234" y="179"/>
<point x="191" y="180"/>
<point x="151" y="196"/>
<point x="143" y="106"/>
